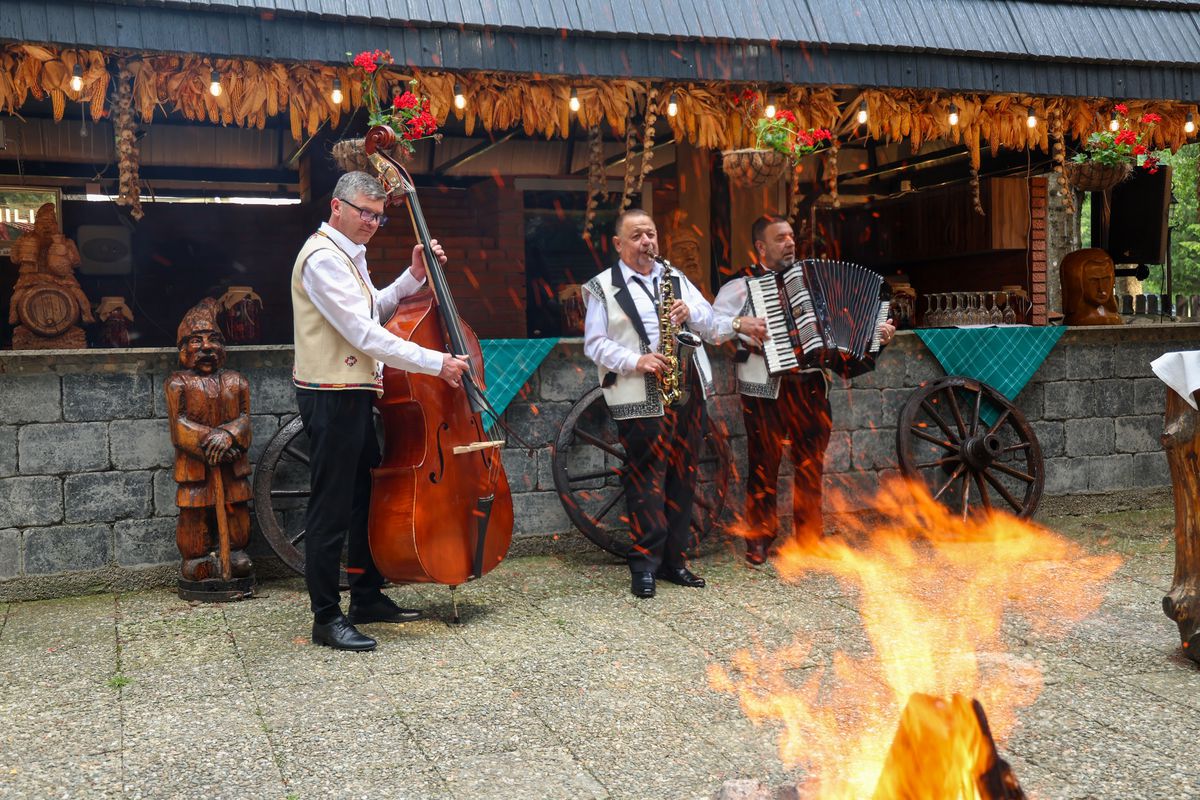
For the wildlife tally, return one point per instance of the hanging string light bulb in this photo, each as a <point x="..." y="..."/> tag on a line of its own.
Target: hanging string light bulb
<point x="1114" y="124"/>
<point x="214" y="84"/>
<point x="862" y="113"/>
<point x="573" y="103"/>
<point x="460" y="99"/>
<point x="672" y="106"/>
<point x="1190" y="125"/>
<point x="1030" y="117"/>
<point x="76" y="77"/>
<point x="336" y="95"/>
<point x="769" y="111"/>
<point x="953" y="117"/>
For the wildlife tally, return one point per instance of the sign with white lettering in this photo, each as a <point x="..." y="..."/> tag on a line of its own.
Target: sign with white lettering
<point x="18" y="211"/>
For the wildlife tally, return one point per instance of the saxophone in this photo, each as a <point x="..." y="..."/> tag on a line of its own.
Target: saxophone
<point x="674" y="344"/>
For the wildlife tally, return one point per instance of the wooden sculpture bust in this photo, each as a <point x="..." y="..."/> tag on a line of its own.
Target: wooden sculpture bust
<point x="208" y="409"/>
<point x="47" y="303"/>
<point x="1087" y="288"/>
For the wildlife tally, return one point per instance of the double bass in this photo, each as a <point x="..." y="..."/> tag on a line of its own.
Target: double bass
<point x="441" y="508"/>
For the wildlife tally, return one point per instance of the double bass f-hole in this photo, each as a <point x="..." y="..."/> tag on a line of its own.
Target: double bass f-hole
<point x="434" y="477"/>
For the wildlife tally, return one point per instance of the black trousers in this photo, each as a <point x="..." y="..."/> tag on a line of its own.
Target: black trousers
<point x="799" y="420"/>
<point x="660" y="482"/>
<point x="342" y="451"/>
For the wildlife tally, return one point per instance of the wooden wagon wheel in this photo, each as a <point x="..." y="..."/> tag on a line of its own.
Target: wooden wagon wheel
<point x="587" y="461"/>
<point x="971" y="446"/>
<point x="281" y="489"/>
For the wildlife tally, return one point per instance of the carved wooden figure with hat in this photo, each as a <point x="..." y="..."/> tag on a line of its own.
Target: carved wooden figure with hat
<point x="208" y="409"/>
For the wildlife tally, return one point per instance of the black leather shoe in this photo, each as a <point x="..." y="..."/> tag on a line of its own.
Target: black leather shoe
<point x="756" y="551"/>
<point x="681" y="576"/>
<point x="341" y="635"/>
<point x="381" y="610"/>
<point x="642" y="584"/>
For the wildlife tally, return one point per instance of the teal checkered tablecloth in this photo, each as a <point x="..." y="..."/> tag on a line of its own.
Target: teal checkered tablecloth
<point x="507" y="365"/>
<point x="1004" y="358"/>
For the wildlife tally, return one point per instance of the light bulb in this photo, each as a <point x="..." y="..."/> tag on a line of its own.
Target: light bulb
<point x="1114" y="124"/>
<point x="76" y="78"/>
<point x="214" y="84"/>
<point x="862" y="112"/>
<point x="336" y="94"/>
<point x="769" y="111"/>
<point x="1190" y="125"/>
<point x="460" y="99"/>
<point x="672" y="106"/>
<point x="574" y="102"/>
<point x="1030" y="117"/>
<point x="953" y="114"/>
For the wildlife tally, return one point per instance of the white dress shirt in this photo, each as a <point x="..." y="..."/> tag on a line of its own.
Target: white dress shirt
<point x="336" y="294"/>
<point x="728" y="304"/>
<point x="614" y="356"/>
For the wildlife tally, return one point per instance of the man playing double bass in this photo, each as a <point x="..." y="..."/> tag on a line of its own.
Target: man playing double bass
<point x="789" y="411"/>
<point x="340" y="343"/>
<point x="621" y="335"/>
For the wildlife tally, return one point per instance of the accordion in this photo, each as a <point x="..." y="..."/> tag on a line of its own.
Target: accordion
<point x="821" y="314"/>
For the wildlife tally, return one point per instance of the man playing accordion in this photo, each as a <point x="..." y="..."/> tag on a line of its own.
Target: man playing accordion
<point x="789" y="410"/>
<point x="622" y="335"/>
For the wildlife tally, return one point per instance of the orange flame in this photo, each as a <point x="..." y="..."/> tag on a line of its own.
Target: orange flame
<point x="937" y="596"/>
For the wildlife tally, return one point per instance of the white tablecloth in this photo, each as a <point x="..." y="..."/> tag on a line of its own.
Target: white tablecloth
<point x="1180" y="371"/>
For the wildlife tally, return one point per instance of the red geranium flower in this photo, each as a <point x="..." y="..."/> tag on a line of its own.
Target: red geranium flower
<point x="1121" y="108"/>
<point x="1150" y="118"/>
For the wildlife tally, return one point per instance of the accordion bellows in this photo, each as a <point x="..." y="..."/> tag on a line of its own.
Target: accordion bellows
<point x="821" y="314"/>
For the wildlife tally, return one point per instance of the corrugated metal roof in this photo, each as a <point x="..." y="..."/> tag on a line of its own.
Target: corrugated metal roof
<point x="1134" y="48"/>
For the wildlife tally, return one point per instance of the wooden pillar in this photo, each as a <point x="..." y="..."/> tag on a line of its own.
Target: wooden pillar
<point x="747" y="205"/>
<point x="688" y="241"/>
<point x="1181" y="440"/>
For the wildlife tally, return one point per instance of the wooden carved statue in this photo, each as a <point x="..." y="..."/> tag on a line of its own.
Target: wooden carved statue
<point x="47" y="303"/>
<point x="208" y="409"/>
<point x="1181" y="440"/>
<point x="115" y="319"/>
<point x="1088" y="277"/>
<point x="685" y="255"/>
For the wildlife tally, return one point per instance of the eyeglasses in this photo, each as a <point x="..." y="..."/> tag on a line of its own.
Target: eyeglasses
<point x="367" y="216"/>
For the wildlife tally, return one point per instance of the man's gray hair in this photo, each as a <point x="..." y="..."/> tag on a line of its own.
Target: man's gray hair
<point x="353" y="184"/>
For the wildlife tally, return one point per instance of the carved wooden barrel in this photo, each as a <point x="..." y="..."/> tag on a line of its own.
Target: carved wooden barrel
<point x="48" y="310"/>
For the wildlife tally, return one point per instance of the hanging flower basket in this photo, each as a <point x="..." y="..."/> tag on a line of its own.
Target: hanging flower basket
<point x="1091" y="176"/>
<point x="751" y="167"/>
<point x="351" y="155"/>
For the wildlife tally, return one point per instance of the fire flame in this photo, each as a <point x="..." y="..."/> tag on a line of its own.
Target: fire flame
<point x="935" y="594"/>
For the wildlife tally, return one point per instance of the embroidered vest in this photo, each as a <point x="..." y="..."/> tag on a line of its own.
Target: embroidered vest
<point x="635" y="395"/>
<point x="323" y="358"/>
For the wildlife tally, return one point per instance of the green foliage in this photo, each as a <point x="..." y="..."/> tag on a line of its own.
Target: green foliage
<point x="1184" y="225"/>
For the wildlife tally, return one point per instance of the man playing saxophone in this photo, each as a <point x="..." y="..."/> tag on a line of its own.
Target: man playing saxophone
<point x="624" y="336"/>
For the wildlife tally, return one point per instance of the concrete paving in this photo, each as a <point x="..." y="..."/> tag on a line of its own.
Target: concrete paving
<point x="557" y="684"/>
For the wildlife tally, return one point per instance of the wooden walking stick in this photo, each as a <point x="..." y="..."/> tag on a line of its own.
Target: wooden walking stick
<point x="222" y="524"/>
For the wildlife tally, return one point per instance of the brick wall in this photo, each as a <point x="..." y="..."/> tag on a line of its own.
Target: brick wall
<point x="87" y="495"/>
<point x="1038" y="202"/>
<point x="482" y="230"/>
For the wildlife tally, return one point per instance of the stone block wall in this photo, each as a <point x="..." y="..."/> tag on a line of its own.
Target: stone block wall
<point x="85" y="456"/>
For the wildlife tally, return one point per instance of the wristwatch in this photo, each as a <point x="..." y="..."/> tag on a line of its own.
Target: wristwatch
<point x="737" y="324"/>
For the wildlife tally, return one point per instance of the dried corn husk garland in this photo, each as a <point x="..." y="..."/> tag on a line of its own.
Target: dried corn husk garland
<point x="707" y="115"/>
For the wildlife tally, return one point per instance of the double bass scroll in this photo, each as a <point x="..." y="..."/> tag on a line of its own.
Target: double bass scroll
<point x="441" y="508"/>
